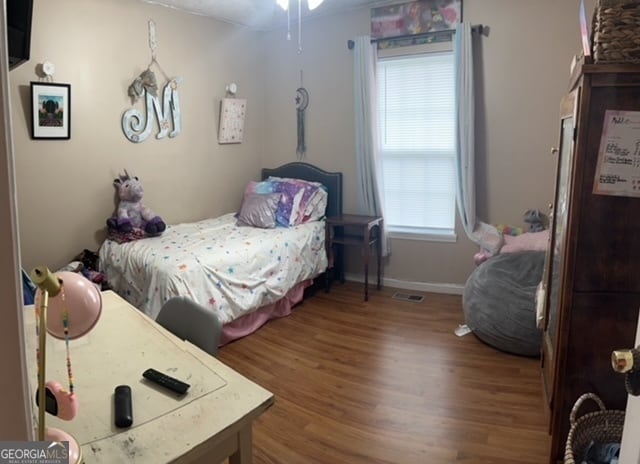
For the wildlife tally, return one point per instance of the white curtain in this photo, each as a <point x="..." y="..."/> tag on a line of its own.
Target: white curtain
<point x="368" y="162"/>
<point x="485" y="235"/>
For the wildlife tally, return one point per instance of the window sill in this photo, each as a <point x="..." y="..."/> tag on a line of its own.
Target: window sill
<point x="427" y="236"/>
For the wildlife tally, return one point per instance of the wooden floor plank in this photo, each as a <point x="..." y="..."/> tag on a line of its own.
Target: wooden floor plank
<point x="388" y="382"/>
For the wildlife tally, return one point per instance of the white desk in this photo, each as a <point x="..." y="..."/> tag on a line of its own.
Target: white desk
<point x="210" y="423"/>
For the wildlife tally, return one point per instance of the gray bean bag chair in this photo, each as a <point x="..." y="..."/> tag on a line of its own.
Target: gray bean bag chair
<point x="499" y="302"/>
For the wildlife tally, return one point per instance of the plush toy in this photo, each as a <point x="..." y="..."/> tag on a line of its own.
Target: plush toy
<point x="509" y="230"/>
<point x="536" y="219"/>
<point x="131" y="213"/>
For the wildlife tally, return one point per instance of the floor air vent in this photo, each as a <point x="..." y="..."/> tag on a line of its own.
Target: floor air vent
<point x="408" y="297"/>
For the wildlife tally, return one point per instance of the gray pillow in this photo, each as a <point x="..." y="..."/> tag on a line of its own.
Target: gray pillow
<point x="259" y="210"/>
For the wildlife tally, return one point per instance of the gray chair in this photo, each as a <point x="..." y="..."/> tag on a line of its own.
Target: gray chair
<point x="192" y="322"/>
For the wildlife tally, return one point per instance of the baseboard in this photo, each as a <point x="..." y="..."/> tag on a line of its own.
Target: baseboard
<point x="450" y="289"/>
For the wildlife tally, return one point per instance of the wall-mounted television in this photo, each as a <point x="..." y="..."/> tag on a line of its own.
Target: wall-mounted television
<point x="19" y="14"/>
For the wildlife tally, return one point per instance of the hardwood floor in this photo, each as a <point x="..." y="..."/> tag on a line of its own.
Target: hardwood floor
<point x="388" y="382"/>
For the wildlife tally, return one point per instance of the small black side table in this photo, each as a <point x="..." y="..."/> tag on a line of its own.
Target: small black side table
<point x="353" y="229"/>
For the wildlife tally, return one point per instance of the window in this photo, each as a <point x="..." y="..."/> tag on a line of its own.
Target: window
<point x="416" y="129"/>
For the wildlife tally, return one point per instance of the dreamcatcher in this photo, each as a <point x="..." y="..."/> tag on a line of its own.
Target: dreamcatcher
<point x="302" y="101"/>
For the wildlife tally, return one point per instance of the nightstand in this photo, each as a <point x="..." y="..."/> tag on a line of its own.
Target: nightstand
<point x="353" y="229"/>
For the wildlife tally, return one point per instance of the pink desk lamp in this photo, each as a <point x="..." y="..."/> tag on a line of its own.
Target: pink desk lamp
<point x="67" y="306"/>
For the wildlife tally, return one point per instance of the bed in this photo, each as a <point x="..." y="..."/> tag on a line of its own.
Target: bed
<point x="246" y="275"/>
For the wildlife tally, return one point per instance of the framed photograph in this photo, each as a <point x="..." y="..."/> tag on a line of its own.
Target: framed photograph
<point x="50" y="111"/>
<point x="417" y="17"/>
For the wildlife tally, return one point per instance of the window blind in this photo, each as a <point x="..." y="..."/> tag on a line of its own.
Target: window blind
<point x="416" y="129"/>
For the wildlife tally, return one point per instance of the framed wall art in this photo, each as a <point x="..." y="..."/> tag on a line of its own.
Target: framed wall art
<point x="50" y="111"/>
<point x="232" y="114"/>
<point x="417" y="17"/>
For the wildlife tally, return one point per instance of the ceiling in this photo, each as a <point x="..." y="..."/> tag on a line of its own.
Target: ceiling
<point x="262" y="14"/>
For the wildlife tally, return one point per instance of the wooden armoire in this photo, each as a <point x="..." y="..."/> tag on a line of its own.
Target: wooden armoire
<point x="592" y="268"/>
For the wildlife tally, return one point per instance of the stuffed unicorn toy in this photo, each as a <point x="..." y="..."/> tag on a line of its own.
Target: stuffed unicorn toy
<point x="132" y="213"/>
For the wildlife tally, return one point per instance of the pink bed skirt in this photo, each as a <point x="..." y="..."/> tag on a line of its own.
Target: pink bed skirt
<point x="251" y="322"/>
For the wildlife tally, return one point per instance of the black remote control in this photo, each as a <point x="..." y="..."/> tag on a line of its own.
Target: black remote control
<point x="166" y="381"/>
<point x="123" y="408"/>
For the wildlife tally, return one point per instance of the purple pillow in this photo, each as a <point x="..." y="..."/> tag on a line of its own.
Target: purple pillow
<point x="310" y="199"/>
<point x="289" y="198"/>
<point x="300" y="201"/>
<point x="259" y="210"/>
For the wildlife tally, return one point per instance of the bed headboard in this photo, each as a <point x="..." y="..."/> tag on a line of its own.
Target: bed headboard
<point x="306" y="171"/>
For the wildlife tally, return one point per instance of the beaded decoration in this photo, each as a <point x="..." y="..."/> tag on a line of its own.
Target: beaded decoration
<point x="37" y="310"/>
<point x="65" y="324"/>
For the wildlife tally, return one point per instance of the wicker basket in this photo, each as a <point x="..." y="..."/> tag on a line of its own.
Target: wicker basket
<point x="604" y="426"/>
<point x="616" y="31"/>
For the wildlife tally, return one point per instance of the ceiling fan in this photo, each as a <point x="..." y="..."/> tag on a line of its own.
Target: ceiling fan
<point x="284" y="4"/>
<point x="312" y="4"/>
